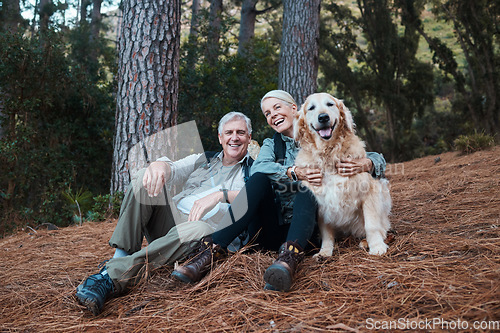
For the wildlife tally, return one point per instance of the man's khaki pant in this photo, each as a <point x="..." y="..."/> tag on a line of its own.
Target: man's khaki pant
<point x="167" y="231"/>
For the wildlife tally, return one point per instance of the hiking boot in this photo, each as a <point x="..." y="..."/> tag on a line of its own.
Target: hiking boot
<point x="94" y="291"/>
<point x="270" y="287"/>
<point x="279" y="276"/>
<point x="202" y="259"/>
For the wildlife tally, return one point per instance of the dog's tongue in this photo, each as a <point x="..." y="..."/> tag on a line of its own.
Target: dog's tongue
<point x="325" y="133"/>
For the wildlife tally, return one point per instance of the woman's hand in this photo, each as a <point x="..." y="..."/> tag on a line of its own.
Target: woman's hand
<point x="350" y="167"/>
<point x="155" y="177"/>
<point x="312" y="175"/>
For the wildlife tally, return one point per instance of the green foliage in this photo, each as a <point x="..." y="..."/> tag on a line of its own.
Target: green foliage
<point x="57" y="106"/>
<point x="475" y="26"/>
<point x="105" y="207"/>
<point x="384" y="75"/>
<point x="397" y="95"/>
<point x="468" y="144"/>
<point x="57" y="121"/>
<point x="80" y="202"/>
<point x="233" y="83"/>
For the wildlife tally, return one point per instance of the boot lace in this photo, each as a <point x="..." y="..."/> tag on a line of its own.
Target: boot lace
<point x="100" y="285"/>
<point x="291" y="258"/>
<point x="198" y="246"/>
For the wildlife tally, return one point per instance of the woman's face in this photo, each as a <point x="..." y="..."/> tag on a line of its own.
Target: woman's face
<point x="279" y="115"/>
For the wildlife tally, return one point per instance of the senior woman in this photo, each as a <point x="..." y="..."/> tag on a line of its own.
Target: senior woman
<point x="278" y="212"/>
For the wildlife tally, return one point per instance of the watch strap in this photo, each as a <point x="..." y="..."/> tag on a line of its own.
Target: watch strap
<point x="293" y="174"/>
<point x="226" y="197"/>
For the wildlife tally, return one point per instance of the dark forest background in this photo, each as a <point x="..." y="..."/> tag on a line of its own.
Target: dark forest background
<point x="420" y="77"/>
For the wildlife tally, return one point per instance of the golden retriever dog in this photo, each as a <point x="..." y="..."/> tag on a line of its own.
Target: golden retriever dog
<point x="358" y="205"/>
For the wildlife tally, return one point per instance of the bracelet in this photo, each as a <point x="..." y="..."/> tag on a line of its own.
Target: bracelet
<point x="226" y="197"/>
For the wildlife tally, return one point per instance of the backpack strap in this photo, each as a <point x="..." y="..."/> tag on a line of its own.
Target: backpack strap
<point x="279" y="148"/>
<point x="205" y="159"/>
<point x="246" y="168"/>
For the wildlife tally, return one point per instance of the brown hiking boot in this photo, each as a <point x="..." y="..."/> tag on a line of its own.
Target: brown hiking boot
<point x="202" y="259"/>
<point x="279" y="276"/>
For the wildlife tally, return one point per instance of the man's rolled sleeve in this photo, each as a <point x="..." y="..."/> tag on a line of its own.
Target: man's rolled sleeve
<point x="181" y="169"/>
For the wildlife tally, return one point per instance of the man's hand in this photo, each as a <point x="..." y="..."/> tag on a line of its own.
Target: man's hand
<point x="204" y="205"/>
<point x="155" y="177"/>
<point x="350" y="167"/>
<point x="312" y="175"/>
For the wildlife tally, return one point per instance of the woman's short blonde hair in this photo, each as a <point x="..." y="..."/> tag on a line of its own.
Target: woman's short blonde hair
<point x="279" y="94"/>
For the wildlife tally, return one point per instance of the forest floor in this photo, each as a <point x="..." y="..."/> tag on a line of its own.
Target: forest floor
<point x="442" y="271"/>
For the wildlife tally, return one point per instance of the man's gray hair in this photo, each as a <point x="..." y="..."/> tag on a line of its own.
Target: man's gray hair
<point x="231" y="116"/>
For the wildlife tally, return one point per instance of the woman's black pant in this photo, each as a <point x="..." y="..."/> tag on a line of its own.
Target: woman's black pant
<point x="262" y="216"/>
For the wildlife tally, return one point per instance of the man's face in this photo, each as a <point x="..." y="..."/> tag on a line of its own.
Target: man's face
<point x="235" y="139"/>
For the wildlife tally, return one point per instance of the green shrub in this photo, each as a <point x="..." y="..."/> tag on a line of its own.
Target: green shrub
<point x="57" y="128"/>
<point x="467" y="144"/>
<point x="105" y="207"/>
<point x="80" y="202"/>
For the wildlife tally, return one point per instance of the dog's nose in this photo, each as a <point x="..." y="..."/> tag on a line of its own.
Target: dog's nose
<point x="323" y="118"/>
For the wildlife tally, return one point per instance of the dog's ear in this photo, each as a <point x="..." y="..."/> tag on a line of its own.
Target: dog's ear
<point x="298" y="124"/>
<point x="347" y="115"/>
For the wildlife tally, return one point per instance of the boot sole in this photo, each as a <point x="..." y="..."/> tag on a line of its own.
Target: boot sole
<point x="89" y="303"/>
<point x="278" y="277"/>
<point x="181" y="277"/>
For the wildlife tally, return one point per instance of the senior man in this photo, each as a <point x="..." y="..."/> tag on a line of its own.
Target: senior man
<point x="169" y="225"/>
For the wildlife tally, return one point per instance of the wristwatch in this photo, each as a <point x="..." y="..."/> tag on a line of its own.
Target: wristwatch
<point x="226" y="197"/>
<point x="293" y="174"/>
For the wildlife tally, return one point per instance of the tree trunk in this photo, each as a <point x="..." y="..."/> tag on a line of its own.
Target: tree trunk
<point x="298" y="69"/>
<point x="192" y="54"/>
<point x="45" y="12"/>
<point x="95" y="29"/>
<point x="10" y="15"/>
<point x="83" y="11"/>
<point x="148" y="78"/>
<point x="195" y="20"/>
<point x="96" y="19"/>
<point x="247" y="24"/>
<point x="214" y="31"/>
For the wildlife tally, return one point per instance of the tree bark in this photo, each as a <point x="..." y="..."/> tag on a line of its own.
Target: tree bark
<point x="83" y="11"/>
<point x="95" y="29"/>
<point x="247" y="24"/>
<point x="192" y="54"/>
<point x="45" y="12"/>
<point x="298" y="69"/>
<point x="148" y="78"/>
<point x="10" y="15"/>
<point x="96" y="19"/>
<point x="214" y="31"/>
<point x="195" y="20"/>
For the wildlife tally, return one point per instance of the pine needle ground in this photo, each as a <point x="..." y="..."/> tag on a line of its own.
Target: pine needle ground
<point x="443" y="264"/>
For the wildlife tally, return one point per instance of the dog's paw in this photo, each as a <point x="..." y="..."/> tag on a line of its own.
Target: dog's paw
<point x="378" y="249"/>
<point x="322" y="255"/>
<point x="363" y="244"/>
